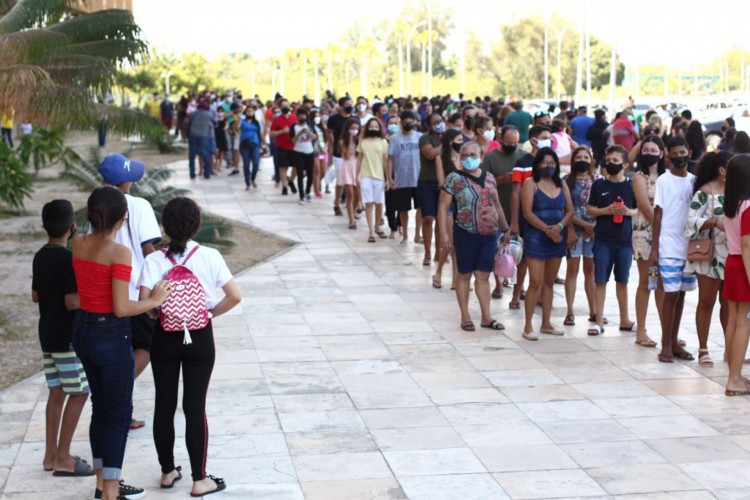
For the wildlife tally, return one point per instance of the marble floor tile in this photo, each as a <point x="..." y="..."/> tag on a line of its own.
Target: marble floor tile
<point x="648" y="478"/>
<point x="525" y="457"/>
<point x="452" y="486"/>
<point x="699" y="449"/>
<point x="371" y="489"/>
<point x="338" y="466"/>
<point x="616" y="453"/>
<point x="548" y="484"/>
<point x="667" y="427"/>
<point x="433" y="462"/>
<point x="417" y="438"/>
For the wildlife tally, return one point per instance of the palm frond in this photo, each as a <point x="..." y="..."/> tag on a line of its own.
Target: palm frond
<point x="25" y="14"/>
<point x="86" y="71"/>
<point x="19" y="83"/>
<point x="84" y="174"/>
<point x="28" y="46"/>
<point x="215" y="232"/>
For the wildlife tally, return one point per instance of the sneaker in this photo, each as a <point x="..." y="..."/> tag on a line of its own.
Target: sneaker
<point x="301" y="202"/>
<point x="126" y="491"/>
<point x="284" y="191"/>
<point x="292" y="187"/>
<point x="308" y="198"/>
<point x="234" y="172"/>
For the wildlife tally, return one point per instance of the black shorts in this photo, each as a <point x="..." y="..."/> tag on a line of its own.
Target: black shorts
<point x="285" y="158"/>
<point x="403" y="199"/>
<point x="142" y="329"/>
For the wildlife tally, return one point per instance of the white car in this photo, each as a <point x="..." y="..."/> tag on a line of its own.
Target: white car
<point x="741" y="117"/>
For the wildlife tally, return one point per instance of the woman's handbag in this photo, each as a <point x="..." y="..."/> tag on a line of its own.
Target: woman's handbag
<point x="505" y="264"/>
<point x="701" y="250"/>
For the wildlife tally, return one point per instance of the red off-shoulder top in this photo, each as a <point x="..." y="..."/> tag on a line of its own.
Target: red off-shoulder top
<point x="94" y="281"/>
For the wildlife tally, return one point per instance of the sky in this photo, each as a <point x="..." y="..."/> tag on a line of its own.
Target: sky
<point x="675" y="32"/>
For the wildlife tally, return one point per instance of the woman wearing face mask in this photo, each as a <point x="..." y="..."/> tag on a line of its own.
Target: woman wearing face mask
<point x="251" y="139"/>
<point x="391" y="214"/>
<point x="348" y="178"/>
<point x="580" y="234"/>
<point x="303" y="138"/>
<point x="469" y="120"/>
<point x="373" y="171"/>
<point x="706" y="220"/>
<point x="478" y="218"/>
<point x="431" y="179"/>
<point x="317" y="125"/>
<point x="547" y="210"/>
<point x="450" y="161"/>
<point x="650" y="167"/>
<point x="484" y="132"/>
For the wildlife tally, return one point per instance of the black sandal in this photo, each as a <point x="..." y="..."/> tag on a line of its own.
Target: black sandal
<point x="468" y="326"/>
<point x="381" y="234"/>
<point x="179" y="476"/>
<point x="683" y="355"/>
<point x="220" y="486"/>
<point x="493" y="325"/>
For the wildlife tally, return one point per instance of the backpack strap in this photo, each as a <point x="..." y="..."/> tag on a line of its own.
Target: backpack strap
<point x="174" y="262"/>
<point x="195" y="248"/>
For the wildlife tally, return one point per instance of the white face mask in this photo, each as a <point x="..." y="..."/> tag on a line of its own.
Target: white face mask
<point x="361" y="107"/>
<point x="317" y="120"/>
<point x="489" y="135"/>
<point x="543" y="143"/>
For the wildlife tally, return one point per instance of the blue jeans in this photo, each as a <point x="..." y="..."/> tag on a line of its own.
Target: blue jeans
<point x="276" y="174"/>
<point x="250" y="153"/>
<point x="102" y="342"/>
<point x="199" y="146"/>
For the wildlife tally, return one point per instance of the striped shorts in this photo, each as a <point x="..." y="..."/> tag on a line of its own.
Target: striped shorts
<point x="673" y="276"/>
<point x="64" y="370"/>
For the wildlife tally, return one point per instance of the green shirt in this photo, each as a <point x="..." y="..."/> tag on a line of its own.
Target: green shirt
<point x="497" y="163"/>
<point x="427" y="168"/>
<point x="521" y="119"/>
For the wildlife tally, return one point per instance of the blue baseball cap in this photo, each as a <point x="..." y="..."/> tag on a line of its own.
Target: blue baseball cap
<point x="116" y="169"/>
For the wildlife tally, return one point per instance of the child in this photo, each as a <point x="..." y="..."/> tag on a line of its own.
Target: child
<point x="53" y="287"/>
<point x="348" y="178"/>
<point x="101" y="336"/>
<point x="170" y="352"/>
<point x="372" y="170"/>
<point x="612" y="202"/>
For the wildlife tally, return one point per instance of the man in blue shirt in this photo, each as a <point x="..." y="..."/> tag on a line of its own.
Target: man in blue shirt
<point x="580" y="126"/>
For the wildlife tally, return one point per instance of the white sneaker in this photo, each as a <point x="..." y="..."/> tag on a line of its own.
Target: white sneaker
<point x="301" y="202"/>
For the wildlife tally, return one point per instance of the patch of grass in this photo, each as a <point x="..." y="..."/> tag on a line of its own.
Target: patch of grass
<point x="19" y="341"/>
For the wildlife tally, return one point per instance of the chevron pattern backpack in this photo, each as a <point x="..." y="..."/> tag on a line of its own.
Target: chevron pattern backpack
<point x="185" y="309"/>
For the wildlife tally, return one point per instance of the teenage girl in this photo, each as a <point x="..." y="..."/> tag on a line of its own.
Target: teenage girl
<point x="101" y="336"/>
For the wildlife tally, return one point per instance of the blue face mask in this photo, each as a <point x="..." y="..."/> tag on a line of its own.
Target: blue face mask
<point x="470" y="164"/>
<point x="393" y="128"/>
<point x="439" y="128"/>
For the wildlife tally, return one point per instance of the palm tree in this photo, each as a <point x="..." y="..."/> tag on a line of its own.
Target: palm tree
<point x="57" y="64"/>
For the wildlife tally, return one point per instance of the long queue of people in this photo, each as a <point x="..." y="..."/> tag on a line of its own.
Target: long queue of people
<point x="560" y="186"/>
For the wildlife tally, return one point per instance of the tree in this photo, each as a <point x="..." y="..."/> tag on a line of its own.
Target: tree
<point x="55" y="60"/>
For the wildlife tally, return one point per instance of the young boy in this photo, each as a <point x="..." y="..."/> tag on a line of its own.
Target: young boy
<point x="672" y="196"/>
<point x="612" y="202"/>
<point x="53" y="287"/>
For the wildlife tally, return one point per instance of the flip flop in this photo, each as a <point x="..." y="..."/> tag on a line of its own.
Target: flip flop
<point x="683" y="355"/>
<point x="381" y="234"/>
<point x="371" y="239"/>
<point x="468" y="326"/>
<point x="179" y="476"/>
<point x="493" y="325"/>
<point x="732" y="394"/>
<point x="592" y="319"/>
<point x="665" y="358"/>
<point x="646" y="343"/>
<point x="497" y="293"/>
<point x="681" y="342"/>
<point x="80" y="469"/>
<point x="570" y="320"/>
<point x="595" y="331"/>
<point x="136" y="424"/>
<point x="426" y="262"/>
<point x="630" y="328"/>
<point x="514" y="305"/>
<point x="220" y="486"/>
<point x="436" y="282"/>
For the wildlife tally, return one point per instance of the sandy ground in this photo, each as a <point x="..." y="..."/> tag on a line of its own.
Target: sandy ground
<point x="21" y="235"/>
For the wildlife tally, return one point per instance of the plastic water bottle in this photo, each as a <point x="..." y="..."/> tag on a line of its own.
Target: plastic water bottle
<point x="653" y="277"/>
<point x="617" y="219"/>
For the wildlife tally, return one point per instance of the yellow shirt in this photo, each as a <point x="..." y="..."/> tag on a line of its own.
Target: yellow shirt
<point x="7" y="121"/>
<point x="154" y="108"/>
<point x="373" y="153"/>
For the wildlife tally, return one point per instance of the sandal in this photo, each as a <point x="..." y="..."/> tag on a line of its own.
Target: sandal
<point x="371" y="239"/>
<point x="592" y="319"/>
<point x="497" y="293"/>
<point x="179" y="476"/>
<point x="595" y="330"/>
<point x="731" y="394"/>
<point x="683" y="355"/>
<point x="136" y="424"/>
<point x="630" y="328"/>
<point x="553" y="331"/>
<point x="381" y="234"/>
<point x="337" y="211"/>
<point x="530" y="336"/>
<point x="80" y="469"/>
<point x="220" y="486"/>
<point x="665" y="358"/>
<point x="436" y="282"/>
<point x="570" y="320"/>
<point x="514" y="305"/>
<point x="704" y="359"/>
<point x="646" y="343"/>
<point x="468" y="326"/>
<point x="493" y="325"/>
<point x="426" y="262"/>
<point x="353" y="225"/>
<point x="681" y="342"/>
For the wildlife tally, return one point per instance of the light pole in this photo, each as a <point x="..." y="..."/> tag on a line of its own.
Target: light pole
<point x="408" y="54"/>
<point x="559" y="62"/>
<point x="546" y="60"/>
<point x="167" y="75"/>
<point x="428" y="4"/>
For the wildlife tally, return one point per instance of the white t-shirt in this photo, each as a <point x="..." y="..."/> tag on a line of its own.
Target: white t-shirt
<point x="364" y="119"/>
<point x="140" y="227"/>
<point x="303" y="145"/>
<point x="673" y="194"/>
<point x="206" y="263"/>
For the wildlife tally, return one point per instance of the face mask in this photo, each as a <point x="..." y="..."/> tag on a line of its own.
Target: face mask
<point x="613" y="168"/>
<point x="680" y="162"/>
<point x="648" y="160"/>
<point x="547" y="172"/>
<point x="439" y="128"/>
<point x="353" y="131"/>
<point x="348" y="109"/>
<point x="724" y="128"/>
<point x="469" y="122"/>
<point x="408" y="127"/>
<point x="302" y="119"/>
<point x="489" y="135"/>
<point x="470" y="164"/>
<point x="582" y="166"/>
<point x="372" y="133"/>
<point x="543" y="143"/>
<point x="277" y="113"/>
<point x="317" y="120"/>
<point x="361" y="107"/>
<point x="457" y="146"/>
<point x="509" y="149"/>
<point x="393" y="128"/>
<point x="285" y="110"/>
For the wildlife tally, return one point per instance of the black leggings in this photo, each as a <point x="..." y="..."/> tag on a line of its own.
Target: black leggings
<point x="168" y="355"/>
<point x="304" y="165"/>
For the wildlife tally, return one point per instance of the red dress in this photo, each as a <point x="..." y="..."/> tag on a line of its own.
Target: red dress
<point x="736" y="285"/>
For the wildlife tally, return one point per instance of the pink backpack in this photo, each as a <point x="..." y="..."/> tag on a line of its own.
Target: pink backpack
<point x="185" y="309"/>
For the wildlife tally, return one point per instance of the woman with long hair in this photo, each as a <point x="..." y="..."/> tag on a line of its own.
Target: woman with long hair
<point x="172" y="353"/>
<point x="102" y="334"/>
<point x="706" y="221"/>
<point x="580" y="234"/>
<point x="650" y="166"/>
<point x="348" y="142"/>
<point x="251" y="142"/>
<point x="373" y="173"/>
<point x="449" y="160"/>
<point x="484" y="134"/>
<point x="547" y="210"/>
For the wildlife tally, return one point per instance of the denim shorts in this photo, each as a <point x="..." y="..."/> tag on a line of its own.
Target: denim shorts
<point x="612" y="255"/>
<point x="428" y="194"/>
<point x="583" y="248"/>
<point x="474" y="252"/>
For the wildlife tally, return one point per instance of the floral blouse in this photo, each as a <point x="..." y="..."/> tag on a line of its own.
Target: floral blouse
<point x="703" y="207"/>
<point x="580" y="197"/>
<point x="475" y="201"/>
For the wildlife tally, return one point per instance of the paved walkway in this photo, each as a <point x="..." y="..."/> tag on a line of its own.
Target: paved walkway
<point x="344" y="375"/>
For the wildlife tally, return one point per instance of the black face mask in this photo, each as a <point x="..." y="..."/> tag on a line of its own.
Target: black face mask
<point x="648" y="160"/>
<point x="613" y="168"/>
<point x="582" y="166"/>
<point x="509" y="149"/>
<point x="285" y="110"/>
<point x="408" y="127"/>
<point x="469" y="122"/>
<point x="372" y="133"/>
<point x="547" y="172"/>
<point x="680" y="162"/>
<point x="457" y="146"/>
<point x="348" y="109"/>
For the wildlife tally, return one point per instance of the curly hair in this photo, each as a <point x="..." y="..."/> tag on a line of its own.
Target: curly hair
<point x="181" y="219"/>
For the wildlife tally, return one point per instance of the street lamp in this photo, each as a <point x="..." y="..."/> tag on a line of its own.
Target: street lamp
<point x="167" y="75"/>
<point x="408" y="53"/>
<point x="559" y="62"/>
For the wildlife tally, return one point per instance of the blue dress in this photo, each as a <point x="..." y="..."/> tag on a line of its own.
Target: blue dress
<point x="536" y="244"/>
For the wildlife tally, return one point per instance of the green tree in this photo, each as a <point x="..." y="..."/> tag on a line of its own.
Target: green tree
<point x="55" y="59"/>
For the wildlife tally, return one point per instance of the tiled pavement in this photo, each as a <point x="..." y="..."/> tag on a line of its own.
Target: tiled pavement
<point x="344" y="375"/>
